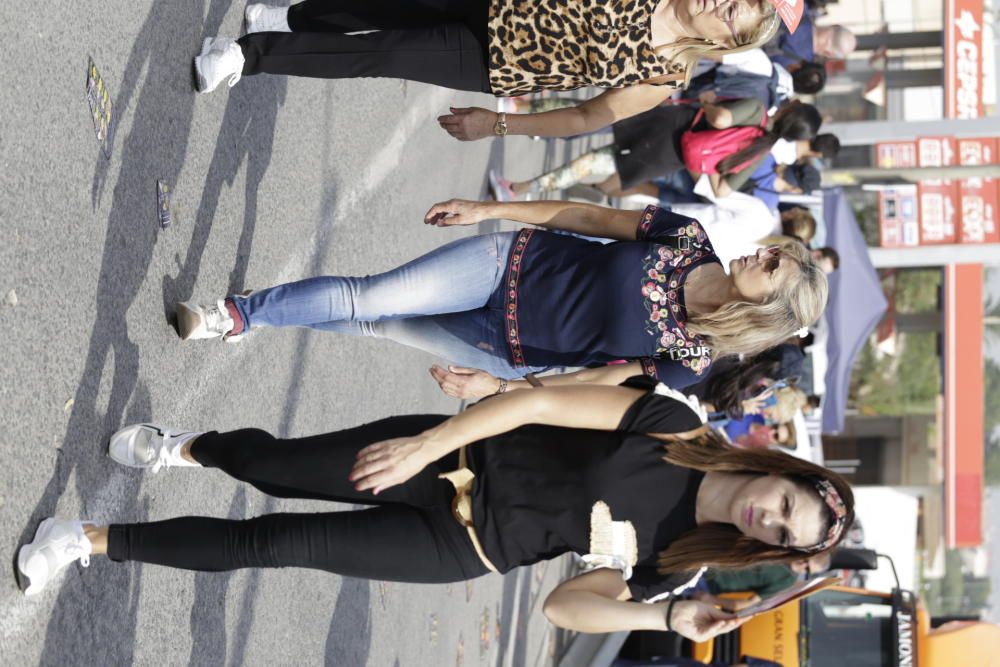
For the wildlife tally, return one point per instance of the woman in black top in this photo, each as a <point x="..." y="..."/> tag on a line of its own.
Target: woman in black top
<point x="546" y="472"/>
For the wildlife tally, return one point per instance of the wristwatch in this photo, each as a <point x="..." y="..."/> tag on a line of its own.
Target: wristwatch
<point x="500" y="127"/>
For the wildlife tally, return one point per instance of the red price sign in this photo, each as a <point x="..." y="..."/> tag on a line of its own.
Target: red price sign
<point x="978" y="196"/>
<point x="938" y="198"/>
<point x="899" y="226"/>
<point x="894" y="154"/>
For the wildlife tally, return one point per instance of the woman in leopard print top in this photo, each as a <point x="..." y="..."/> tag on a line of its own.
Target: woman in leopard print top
<point x="634" y="48"/>
<point x="565" y="44"/>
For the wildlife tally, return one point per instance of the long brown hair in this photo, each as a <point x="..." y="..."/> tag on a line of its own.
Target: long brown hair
<point x="723" y="545"/>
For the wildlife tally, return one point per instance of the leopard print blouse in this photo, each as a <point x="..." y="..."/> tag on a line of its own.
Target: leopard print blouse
<point x="566" y="44"/>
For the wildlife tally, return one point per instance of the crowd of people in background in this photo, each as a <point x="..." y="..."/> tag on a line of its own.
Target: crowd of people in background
<point x="750" y="111"/>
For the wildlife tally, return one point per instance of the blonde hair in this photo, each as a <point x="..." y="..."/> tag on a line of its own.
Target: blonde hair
<point x="685" y="53"/>
<point x="745" y="327"/>
<point x="788" y="401"/>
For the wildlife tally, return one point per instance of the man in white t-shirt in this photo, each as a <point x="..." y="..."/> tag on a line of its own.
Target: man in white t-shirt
<point x="734" y="223"/>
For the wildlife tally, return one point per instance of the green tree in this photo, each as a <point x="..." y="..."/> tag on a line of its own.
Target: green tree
<point x="957" y="593"/>
<point x="992" y="471"/>
<point x="991" y="320"/>
<point x="866" y="212"/>
<point x="991" y="417"/>
<point x="909" y="381"/>
<point x="991" y="389"/>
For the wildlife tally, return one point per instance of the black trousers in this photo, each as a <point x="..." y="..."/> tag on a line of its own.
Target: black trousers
<point x="410" y="535"/>
<point x="443" y="42"/>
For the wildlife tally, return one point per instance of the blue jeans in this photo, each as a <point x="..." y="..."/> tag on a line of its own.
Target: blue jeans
<point x="439" y="303"/>
<point x="677" y="187"/>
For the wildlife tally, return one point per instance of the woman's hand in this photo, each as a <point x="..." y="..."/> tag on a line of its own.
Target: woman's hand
<point x="469" y="124"/>
<point x="385" y="464"/>
<point x="754" y="406"/>
<point x="456" y="212"/>
<point x="700" y="622"/>
<point x="465" y="382"/>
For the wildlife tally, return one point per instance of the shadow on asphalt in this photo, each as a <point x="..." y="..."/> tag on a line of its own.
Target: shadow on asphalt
<point x="247" y="132"/>
<point x="350" y="637"/>
<point x="513" y="599"/>
<point x="355" y="642"/>
<point x="154" y="148"/>
<point x="208" y="612"/>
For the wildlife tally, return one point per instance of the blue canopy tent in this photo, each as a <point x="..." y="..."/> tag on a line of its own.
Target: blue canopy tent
<point x="855" y="308"/>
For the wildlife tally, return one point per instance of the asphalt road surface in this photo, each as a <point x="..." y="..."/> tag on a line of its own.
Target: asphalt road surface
<point x="272" y="180"/>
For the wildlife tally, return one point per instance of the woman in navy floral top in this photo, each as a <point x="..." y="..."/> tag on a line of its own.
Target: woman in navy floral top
<point x="516" y="302"/>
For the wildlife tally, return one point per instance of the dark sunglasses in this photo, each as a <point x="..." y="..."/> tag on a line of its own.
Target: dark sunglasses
<point x="773" y="260"/>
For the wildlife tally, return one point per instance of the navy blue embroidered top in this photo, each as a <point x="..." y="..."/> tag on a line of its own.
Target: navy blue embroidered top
<point x="573" y="302"/>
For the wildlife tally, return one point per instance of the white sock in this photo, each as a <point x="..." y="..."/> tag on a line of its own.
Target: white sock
<point x="174" y="450"/>
<point x="270" y="19"/>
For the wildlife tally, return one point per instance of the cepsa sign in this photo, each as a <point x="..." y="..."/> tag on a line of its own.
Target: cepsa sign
<point x="963" y="58"/>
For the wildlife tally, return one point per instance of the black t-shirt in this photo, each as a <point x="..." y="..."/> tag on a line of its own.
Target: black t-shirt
<point x="542" y="491"/>
<point x="567" y="301"/>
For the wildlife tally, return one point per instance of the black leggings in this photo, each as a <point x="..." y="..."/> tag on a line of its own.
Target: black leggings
<point x="443" y="42"/>
<point x="411" y="535"/>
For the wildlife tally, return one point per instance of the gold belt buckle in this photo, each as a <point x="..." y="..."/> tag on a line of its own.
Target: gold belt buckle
<point x="463" y="518"/>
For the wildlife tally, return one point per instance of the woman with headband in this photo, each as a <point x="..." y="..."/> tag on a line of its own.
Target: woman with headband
<point x="626" y="476"/>
<point x="503" y="47"/>
<point x="513" y="303"/>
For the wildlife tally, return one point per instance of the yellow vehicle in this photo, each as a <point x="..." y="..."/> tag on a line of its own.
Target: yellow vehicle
<point x="843" y="626"/>
<point x="850" y="626"/>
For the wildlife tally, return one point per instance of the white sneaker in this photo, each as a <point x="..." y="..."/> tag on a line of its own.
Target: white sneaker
<point x="261" y="18"/>
<point x="196" y="321"/>
<point x="503" y="189"/>
<point x="500" y="187"/>
<point x="57" y="543"/>
<point x="221" y="59"/>
<point x="150" y="446"/>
